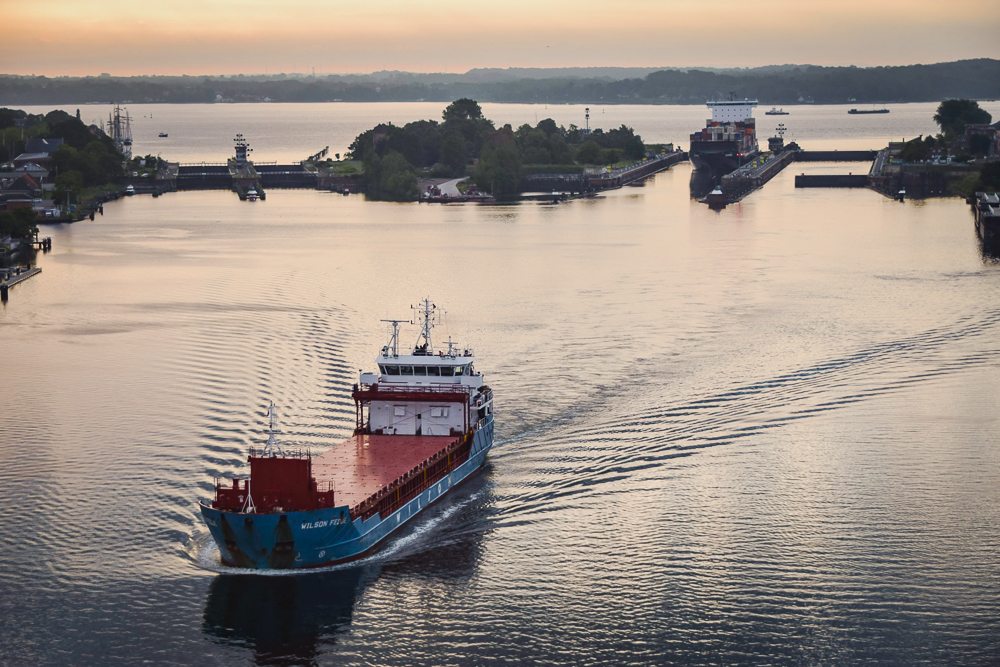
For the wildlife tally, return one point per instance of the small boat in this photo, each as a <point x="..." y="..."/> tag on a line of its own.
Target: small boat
<point x="130" y="190"/>
<point x="901" y="195"/>
<point x="163" y="135"/>
<point x="776" y="112"/>
<point x="252" y="195"/>
<point x="854" y="111"/>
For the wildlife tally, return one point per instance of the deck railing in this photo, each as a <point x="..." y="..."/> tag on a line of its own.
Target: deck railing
<point x="414" y="481"/>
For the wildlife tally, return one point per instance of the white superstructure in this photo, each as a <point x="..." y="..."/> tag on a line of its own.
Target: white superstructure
<point x="731" y="111"/>
<point x="457" y="396"/>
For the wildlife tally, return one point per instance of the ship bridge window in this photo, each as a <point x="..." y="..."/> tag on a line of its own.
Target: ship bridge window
<point x="434" y="370"/>
<point x="439" y="412"/>
<point x="446" y="371"/>
<point x="391" y="370"/>
<point x="399" y="411"/>
<point x="460" y="370"/>
<point x="406" y="370"/>
<point x="420" y="370"/>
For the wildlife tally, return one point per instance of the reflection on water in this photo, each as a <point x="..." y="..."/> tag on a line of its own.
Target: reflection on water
<point x="282" y="618"/>
<point x="771" y="441"/>
<point x="702" y="182"/>
<point x="990" y="250"/>
<point x="290" y="618"/>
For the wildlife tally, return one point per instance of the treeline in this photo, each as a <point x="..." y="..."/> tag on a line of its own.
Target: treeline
<point x="466" y="143"/>
<point x="975" y="79"/>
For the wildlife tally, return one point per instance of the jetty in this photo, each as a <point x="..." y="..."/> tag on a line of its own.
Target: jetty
<point x="14" y="276"/>
<point x="597" y="179"/>
<point x="739" y="183"/>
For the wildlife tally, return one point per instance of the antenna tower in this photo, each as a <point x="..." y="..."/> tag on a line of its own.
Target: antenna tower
<point x="428" y="314"/>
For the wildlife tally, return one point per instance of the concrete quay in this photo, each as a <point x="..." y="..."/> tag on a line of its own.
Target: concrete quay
<point x="11" y="277"/>
<point x="739" y="183"/>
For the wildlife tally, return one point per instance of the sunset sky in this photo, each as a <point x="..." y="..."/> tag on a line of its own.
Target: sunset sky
<point x="255" y="36"/>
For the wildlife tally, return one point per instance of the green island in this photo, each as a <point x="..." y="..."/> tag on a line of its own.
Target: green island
<point x="466" y="144"/>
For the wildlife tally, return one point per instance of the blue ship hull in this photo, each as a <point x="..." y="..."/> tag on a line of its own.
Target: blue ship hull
<point x="326" y="536"/>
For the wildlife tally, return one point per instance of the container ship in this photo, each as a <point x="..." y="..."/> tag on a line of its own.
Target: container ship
<point x="728" y="140"/>
<point x="423" y="424"/>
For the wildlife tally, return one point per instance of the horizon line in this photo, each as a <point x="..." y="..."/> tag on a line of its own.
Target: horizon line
<point x="481" y="68"/>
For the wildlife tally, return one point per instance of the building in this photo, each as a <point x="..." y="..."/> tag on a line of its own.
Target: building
<point x="982" y="140"/>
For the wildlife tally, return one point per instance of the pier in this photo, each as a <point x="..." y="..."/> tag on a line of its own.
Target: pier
<point x="831" y="181"/>
<point x="738" y="184"/>
<point x="836" y="156"/>
<point x="754" y="174"/>
<point x="601" y="179"/>
<point x="15" y="276"/>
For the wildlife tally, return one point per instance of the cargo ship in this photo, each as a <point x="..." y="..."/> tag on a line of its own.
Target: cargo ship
<point x="853" y="111"/>
<point x="728" y="140"/>
<point x="423" y="425"/>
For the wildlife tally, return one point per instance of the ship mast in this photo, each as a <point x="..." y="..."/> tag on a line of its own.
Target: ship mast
<point x="427" y="312"/>
<point x="393" y="346"/>
<point x="272" y="448"/>
<point x="120" y="130"/>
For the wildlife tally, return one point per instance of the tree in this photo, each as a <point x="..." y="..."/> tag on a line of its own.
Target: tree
<point x="19" y="223"/>
<point x="548" y="126"/>
<point x="453" y="152"/>
<point x="68" y="186"/>
<point x="462" y="109"/>
<point x="389" y="177"/>
<point x="588" y="153"/>
<point x="917" y="149"/>
<point x="953" y="115"/>
<point x="499" y="167"/>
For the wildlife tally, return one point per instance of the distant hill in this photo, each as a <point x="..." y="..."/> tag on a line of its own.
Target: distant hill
<point x="775" y="84"/>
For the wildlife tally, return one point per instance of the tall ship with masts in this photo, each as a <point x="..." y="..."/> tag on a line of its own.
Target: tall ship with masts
<point x="120" y="130"/>
<point x="423" y="425"/>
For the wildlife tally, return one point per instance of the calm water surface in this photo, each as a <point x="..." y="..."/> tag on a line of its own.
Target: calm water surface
<point x="291" y="132"/>
<point x="767" y="435"/>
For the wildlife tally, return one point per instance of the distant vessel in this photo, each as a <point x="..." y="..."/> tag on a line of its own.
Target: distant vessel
<point x="862" y="111"/>
<point x="728" y="140"/>
<point x="130" y="190"/>
<point x="163" y="135"/>
<point x="120" y="130"/>
<point x="424" y="424"/>
<point x="774" y="111"/>
<point x="252" y="195"/>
